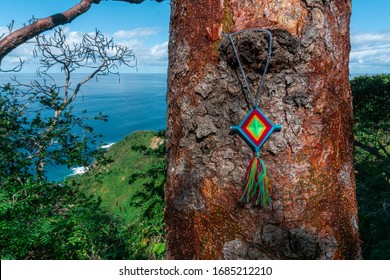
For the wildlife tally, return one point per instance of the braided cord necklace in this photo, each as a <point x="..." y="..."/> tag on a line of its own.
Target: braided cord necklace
<point x="255" y="129"/>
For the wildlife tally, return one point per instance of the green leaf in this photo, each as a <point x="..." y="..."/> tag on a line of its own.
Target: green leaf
<point x="158" y="248"/>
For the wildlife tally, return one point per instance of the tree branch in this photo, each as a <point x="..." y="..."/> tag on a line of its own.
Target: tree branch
<point x="18" y="37"/>
<point x="383" y="148"/>
<point x="136" y="1"/>
<point x="370" y="149"/>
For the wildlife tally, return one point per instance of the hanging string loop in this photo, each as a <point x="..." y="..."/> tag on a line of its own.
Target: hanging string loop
<point x="254" y="99"/>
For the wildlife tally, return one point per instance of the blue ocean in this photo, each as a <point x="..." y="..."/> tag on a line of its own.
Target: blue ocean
<point x="133" y="102"/>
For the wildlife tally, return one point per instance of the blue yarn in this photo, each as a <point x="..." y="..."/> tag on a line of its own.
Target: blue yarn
<point x="255" y="100"/>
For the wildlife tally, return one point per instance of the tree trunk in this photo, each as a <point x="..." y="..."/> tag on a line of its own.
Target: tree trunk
<point x="309" y="163"/>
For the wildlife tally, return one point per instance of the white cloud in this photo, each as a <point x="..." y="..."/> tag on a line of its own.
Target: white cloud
<point x="137" y="32"/>
<point x="160" y="51"/>
<point x="150" y="57"/>
<point x="3" y="31"/>
<point x="370" y="37"/>
<point x="370" y="53"/>
<point x="24" y="52"/>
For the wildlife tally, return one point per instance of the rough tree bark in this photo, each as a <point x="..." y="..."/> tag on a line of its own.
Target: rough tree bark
<point x="310" y="162"/>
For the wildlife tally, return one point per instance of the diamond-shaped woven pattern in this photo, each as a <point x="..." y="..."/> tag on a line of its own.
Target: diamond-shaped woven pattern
<point x="256" y="128"/>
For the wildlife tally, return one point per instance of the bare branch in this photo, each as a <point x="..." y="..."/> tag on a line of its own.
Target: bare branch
<point x="136" y="1"/>
<point x="35" y="27"/>
<point x="95" y="52"/>
<point x="10" y="26"/>
<point x="18" y="37"/>
<point x="17" y="68"/>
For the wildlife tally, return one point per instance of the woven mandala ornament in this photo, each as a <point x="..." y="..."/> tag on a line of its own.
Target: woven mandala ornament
<point x="255" y="129"/>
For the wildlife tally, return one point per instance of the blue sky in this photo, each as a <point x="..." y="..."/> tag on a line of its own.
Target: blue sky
<point x="145" y="29"/>
<point x="370" y="37"/>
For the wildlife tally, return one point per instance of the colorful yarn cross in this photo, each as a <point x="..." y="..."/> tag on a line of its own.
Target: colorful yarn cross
<point x="255" y="129"/>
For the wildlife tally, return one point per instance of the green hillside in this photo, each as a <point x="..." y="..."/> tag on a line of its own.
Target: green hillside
<point x="131" y="186"/>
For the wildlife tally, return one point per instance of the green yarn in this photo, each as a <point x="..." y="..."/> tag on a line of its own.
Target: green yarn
<point x="257" y="189"/>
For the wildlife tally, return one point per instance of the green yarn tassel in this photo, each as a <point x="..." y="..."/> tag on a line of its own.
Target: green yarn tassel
<point x="257" y="189"/>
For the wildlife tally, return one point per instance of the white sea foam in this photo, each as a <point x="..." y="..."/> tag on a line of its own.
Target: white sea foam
<point x="107" y="146"/>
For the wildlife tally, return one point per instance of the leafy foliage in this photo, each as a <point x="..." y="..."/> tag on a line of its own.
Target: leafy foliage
<point x="148" y="239"/>
<point x="372" y="114"/>
<point x="371" y="98"/>
<point x="13" y="154"/>
<point x="39" y="220"/>
<point x="43" y="220"/>
<point x="31" y="137"/>
<point x="46" y="220"/>
<point x="372" y="162"/>
<point x="132" y="188"/>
